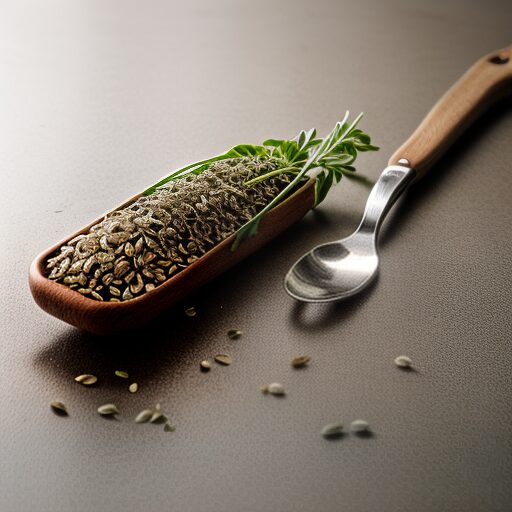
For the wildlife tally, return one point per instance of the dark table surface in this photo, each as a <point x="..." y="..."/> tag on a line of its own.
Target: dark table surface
<point x="97" y="100"/>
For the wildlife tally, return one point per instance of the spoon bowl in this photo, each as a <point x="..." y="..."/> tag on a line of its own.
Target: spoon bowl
<point x="335" y="270"/>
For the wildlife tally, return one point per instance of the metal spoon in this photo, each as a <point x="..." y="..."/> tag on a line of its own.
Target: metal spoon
<point x="337" y="270"/>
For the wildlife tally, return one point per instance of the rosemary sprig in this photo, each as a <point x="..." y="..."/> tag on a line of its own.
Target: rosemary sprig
<point x="332" y="156"/>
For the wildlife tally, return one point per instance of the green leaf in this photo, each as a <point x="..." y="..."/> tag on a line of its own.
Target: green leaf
<point x="322" y="187"/>
<point x="246" y="150"/>
<point x="273" y="142"/>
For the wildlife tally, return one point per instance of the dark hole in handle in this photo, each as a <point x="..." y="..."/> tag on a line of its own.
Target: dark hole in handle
<point x="499" y="59"/>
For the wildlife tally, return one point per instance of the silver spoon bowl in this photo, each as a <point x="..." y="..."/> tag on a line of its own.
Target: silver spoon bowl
<point x="339" y="269"/>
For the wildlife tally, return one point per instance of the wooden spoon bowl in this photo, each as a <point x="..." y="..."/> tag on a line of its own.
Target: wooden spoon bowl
<point x="110" y="317"/>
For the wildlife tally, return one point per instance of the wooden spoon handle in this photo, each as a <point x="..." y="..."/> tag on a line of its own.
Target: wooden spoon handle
<point x="488" y="80"/>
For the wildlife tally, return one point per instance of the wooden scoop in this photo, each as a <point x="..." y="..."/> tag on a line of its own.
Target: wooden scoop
<point x="110" y="317"/>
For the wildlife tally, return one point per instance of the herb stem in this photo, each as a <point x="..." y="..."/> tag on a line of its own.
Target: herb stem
<point x="277" y="172"/>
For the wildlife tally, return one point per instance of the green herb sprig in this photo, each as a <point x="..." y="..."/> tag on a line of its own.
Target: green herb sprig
<point x="332" y="157"/>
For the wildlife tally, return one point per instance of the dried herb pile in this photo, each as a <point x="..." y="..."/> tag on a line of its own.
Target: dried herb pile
<point x="137" y="248"/>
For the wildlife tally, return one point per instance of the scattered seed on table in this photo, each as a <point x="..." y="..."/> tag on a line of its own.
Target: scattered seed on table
<point x="59" y="408"/>
<point x="169" y="428"/>
<point x="332" y="430"/>
<point x="300" y="361"/>
<point x="87" y="379"/>
<point x="108" y="410"/>
<point x="223" y="359"/>
<point x="359" y="426"/>
<point x="133" y="388"/>
<point x="156" y="417"/>
<point x="276" y="389"/>
<point x="122" y="374"/>
<point x="403" y="362"/>
<point x="190" y="311"/>
<point x="234" y="334"/>
<point x="144" y="416"/>
<point x="205" y="365"/>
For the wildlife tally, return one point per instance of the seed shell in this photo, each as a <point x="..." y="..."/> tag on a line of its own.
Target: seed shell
<point x="169" y="428"/>
<point x="157" y="417"/>
<point x="190" y="311"/>
<point x="359" y="426"/>
<point x="133" y="388"/>
<point x="87" y="379"/>
<point x="223" y="359"/>
<point x="276" y="389"/>
<point x="108" y="410"/>
<point x="403" y="362"/>
<point x="144" y="416"/>
<point x="234" y="334"/>
<point x="205" y="365"/>
<point x="300" y="361"/>
<point x="59" y="408"/>
<point x="332" y="430"/>
<point x="122" y="374"/>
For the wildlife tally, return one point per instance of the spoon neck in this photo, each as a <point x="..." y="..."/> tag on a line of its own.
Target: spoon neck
<point x="391" y="183"/>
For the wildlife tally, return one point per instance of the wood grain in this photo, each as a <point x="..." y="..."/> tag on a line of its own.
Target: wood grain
<point x="488" y="80"/>
<point x="111" y="317"/>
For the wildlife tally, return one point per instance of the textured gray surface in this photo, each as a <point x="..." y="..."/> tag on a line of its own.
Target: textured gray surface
<point x="98" y="99"/>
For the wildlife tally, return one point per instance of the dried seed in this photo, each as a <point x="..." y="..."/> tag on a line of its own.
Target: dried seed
<point x="264" y="389"/>
<point x="359" y="426"/>
<point x="89" y="262"/>
<point x="129" y="250"/>
<point x="59" y="408"/>
<point x="149" y="287"/>
<point x="104" y="242"/>
<point x="169" y="428"/>
<point x="108" y="410"/>
<point x="223" y="359"/>
<point x="139" y="245"/>
<point x="133" y="388"/>
<point x="129" y="276"/>
<point x="144" y="416"/>
<point x="146" y="272"/>
<point x="107" y="278"/>
<point x="276" y="389"/>
<point x="157" y="417"/>
<point x="403" y="362"/>
<point x="162" y="278"/>
<point x="148" y="256"/>
<point x="300" y="361"/>
<point x="87" y="379"/>
<point x="96" y="296"/>
<point x="234" y="334"/>
<point x="121" y="268"/>
<point x="116" y="292"/>
<point x="122" y="374"/>
<point x="190" y="311"/>
<point x="333" y="430"/>
<point x="205" y="365"/>
<point x="137" y="287"/>
<point x="127" y="294"/>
